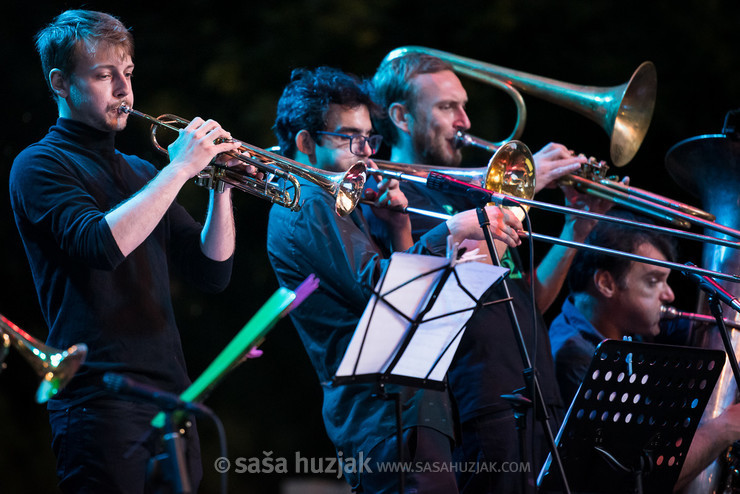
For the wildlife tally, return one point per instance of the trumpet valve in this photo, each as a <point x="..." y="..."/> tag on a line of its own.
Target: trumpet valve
<point x="209" y="178"/>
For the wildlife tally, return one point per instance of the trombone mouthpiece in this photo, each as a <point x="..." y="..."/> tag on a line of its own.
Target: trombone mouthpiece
<point x="124" y="108"/>
<point x="668" y="312"/>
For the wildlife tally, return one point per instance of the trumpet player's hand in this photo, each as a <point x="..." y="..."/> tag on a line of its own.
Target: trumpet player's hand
<point x="554" y="161"/>
<point x="199" y="143"/>
<point x="388" y="203"/>
<point x="235" y="159"/>
<point x="504" y="226"/>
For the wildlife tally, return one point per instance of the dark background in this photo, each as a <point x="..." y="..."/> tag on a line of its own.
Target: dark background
<point x="230" y="61"/>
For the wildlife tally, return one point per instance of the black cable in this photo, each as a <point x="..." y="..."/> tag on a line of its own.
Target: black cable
<point x="533" y="308"/>
<point x="222" y="446"/>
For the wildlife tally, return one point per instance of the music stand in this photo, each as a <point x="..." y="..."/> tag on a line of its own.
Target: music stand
<point x="415" y="319"/>
<point x="632" y="420"/>
<point x="413" y="323"/>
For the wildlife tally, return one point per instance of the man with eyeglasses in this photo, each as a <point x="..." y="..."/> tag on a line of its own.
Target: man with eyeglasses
<point x="323" y="120"/>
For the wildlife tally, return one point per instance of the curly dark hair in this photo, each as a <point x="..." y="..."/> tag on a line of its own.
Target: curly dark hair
<point x="618" y="237"/>
<point x="306" y="99"/>
<point x="392" y="83"/>
<point x="59" y="43"/>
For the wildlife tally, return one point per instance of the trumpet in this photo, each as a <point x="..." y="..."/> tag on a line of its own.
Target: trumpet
<point x="592" y="179"/>
<point x="56" y="367"/>
<point x="345" y="187"/>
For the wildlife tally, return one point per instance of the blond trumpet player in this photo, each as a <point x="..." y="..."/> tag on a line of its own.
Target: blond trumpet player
<point x="100" y="230"/>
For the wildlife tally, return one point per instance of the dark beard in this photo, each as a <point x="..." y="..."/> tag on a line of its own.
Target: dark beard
<point x="434" y="156"/>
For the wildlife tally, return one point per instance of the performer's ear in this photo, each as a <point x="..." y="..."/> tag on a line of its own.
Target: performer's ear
<point x="400" y="116"/>
<point x="306" y="145"/>
<point x="58" y="83"/>
<point x="605" y="283"/>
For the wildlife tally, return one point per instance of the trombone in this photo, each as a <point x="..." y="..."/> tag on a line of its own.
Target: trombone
<point x="624" y="111"/>
<point x="56" y="367"/>
<point x="345" y="187"/>
<point x="517" y="153"/>
<point x="592" y="179"/>
<point x="668" y="312"/>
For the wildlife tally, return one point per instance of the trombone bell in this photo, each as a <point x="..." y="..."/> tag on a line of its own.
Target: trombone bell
<point x="511" y="171"/>
<point x="623" y="111"/>
<point x="56" y="367"/>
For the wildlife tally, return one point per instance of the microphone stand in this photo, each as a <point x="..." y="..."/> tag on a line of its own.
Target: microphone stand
<point x="532" y="390"/>
<point x="170" y="467"/>
<point x="715" y="295"/>
<point x="716" y="308"/>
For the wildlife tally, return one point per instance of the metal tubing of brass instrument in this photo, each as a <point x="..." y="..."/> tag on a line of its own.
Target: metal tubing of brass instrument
<point x="661" y="229"/>
<point x="633" y="191"/>
<point x="576" y="212"/>
<point x="56" y="367"/>
<point x="633" y="257"/>
<point x="625" y="198"/>
<point x="577" y="245"/>
<point x="345" y="187"/>
<point x="648" y="203"/>
<point x="624" y="111"/>
<point x="668" y="312"/>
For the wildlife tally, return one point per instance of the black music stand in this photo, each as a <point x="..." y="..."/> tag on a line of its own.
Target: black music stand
<point x="413" y="324"/>
<point x="415" y="319"/>
<point x="631" y="422"/>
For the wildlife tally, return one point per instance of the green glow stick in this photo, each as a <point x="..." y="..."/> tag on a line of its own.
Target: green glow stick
<point x="249" y="337"/>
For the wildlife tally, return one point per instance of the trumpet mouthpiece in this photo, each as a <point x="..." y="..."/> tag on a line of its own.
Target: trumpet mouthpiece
<point x="124" y="107"/>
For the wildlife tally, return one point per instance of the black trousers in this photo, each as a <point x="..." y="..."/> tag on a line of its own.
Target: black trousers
<point x="99" y="448"/>
<point x="491" y="452"/>
<point x="428" y="455"/>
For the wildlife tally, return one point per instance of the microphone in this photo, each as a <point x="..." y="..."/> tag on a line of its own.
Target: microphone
<point x="713" y="288"/>
<point x="478" y="195"/>
<point x="125" y="386"/>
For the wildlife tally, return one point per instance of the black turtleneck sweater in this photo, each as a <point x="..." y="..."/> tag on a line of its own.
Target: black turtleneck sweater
<point x="60" y="189"/>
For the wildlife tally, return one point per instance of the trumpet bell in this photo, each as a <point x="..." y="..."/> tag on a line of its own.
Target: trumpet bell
<point x="56" y="367"/>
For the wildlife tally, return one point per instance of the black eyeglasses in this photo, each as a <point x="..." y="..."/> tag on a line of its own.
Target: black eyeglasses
<point x="357" y="142"/>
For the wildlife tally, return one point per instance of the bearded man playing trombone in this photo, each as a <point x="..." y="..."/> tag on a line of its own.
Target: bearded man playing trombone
<point x="101" y="230"/>
<point x="423" y="108"/>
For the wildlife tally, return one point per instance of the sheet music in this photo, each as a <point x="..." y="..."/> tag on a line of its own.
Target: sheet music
<point x="382" y="330"/>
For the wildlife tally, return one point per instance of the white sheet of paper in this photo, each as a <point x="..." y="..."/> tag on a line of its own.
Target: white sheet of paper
<point x="382" y="330"/>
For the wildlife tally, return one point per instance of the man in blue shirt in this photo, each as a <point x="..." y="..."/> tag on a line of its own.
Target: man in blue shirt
<point x="613" y="297"/>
